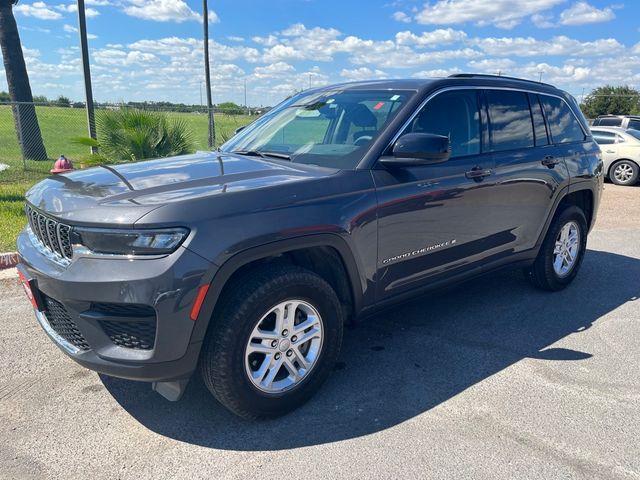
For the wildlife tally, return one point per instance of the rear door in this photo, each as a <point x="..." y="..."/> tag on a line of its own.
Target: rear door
<point x="528" y="168"/>
<point x="608" y="146"/>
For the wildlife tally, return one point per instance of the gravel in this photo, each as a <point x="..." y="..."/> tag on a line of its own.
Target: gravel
<point x="491" y="379"/>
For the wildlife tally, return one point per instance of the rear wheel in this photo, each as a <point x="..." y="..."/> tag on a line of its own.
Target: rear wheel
<point x="272" y="342"/>
<point x="624" y="172"/>
<point x="562" y="251"/>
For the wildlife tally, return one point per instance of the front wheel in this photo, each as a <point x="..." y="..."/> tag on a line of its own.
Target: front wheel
<point x="273" y="341"/>
<point x="562" y="251"/>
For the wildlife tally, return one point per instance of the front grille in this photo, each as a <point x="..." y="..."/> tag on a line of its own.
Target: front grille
<point x="53" y="235"/>
<point x="62" y="323"/>
<point x="136" y="335"/>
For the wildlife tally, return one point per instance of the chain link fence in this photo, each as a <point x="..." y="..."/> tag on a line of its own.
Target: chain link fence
<point x="37" y="131"/>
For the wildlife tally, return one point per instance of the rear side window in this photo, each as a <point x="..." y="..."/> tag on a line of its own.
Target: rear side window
<point x="635" y="124"/>
<point x="603" y="138"/>
<point x="455" y="115"/>
<point x="538" y="121"/>
<point x="510" y="123"/>
<point x="608" y="121"/>
<point x="563" y="124"/>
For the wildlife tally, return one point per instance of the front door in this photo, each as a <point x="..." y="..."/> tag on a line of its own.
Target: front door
<point x="436" y="220"/>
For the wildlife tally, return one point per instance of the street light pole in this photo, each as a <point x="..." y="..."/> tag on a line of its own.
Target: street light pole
<point x="207" y="74"/>
<point x="88" y="91"/>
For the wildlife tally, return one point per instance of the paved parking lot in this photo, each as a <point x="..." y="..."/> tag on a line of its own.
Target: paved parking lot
<point x="490" y="380"/>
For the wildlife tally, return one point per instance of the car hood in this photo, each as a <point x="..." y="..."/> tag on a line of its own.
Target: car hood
<point x="122" y="194"/>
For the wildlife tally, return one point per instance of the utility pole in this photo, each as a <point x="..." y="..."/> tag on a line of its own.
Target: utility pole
<point x="88" y="91"/>
<point x="207" y="74"/>
<point x="201" y="104"/>
<point x="245" y="93"/>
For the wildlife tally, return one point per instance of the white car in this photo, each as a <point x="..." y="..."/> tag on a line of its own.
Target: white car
<point x="620" y="152"/>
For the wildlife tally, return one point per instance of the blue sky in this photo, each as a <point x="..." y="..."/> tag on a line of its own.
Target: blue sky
<point x="152" y="49"/>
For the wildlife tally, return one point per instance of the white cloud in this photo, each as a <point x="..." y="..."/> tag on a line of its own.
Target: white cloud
<point x="491" y="65"/>
<point x="38" y="10"/>
<point x="69" y="28"/>
<point x="436" y="37"/>
<point x="165" y="11"/>
<point x="73" y="8"/>
<point x="362" y="73"/>
<point x="581" y="12"/>
<point x="401" y="17"/>
<point x="501" y="13"/>
<point x="560" y="45"/>
<point x="234" y="38"/>
<point x="98" y="3"/>
<point x="437" y="73"/>
<point x="543" y="21"/>
<point x="278" y="69"/>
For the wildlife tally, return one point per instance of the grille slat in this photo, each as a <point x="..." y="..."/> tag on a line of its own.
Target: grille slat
<point x="53" y="235"/>
<point x="134" y="335"/>
<point x="62" y="323"/>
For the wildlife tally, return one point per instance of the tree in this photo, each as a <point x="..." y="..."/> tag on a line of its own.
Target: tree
<point x="4" y="97"/>
<point x="63" y="101"/>
<point x="24" y="112"/>
<point x="608" y="99"/>
<point x="229" y="108"/>
<point x="40" y="99"/>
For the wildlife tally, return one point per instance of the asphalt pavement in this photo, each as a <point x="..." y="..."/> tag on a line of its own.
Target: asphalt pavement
<point x="491" y="379"/>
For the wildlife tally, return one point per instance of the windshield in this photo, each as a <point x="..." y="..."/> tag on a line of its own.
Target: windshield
<point x="634" y="133"/>
<point x="328" y="128"/>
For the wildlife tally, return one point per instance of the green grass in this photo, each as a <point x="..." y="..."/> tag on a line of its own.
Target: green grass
<point x="59" y="126"/>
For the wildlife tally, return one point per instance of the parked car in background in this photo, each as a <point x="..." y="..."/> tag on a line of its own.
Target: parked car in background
<point x="622" y="121"/>
<point x="620" y="153"/>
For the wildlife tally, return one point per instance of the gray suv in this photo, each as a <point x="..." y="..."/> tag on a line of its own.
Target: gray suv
<point x="245" y="263"/>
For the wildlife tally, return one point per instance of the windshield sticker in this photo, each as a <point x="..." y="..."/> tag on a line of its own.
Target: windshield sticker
<point x="394" y="98"/>
<point x="378" y="106"/>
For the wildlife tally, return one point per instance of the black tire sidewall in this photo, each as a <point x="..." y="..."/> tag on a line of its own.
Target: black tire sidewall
<point x="238" y="393"/>
<point x="574" y="214"/>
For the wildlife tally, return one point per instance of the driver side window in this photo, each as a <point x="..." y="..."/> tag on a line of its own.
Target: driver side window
<point x="454" y="114"/>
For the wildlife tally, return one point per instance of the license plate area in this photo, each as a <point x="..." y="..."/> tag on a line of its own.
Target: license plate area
<point x="31" y="290"/>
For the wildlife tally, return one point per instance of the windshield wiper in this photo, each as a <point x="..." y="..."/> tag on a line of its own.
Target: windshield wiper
<point x="258" y="153"/>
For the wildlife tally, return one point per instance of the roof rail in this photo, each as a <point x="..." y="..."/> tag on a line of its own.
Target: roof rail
<point x="486" y="75"/>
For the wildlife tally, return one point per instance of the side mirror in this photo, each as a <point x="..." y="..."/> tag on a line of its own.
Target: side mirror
<point x="419" y="149"/>
<point x="239" y="129"/>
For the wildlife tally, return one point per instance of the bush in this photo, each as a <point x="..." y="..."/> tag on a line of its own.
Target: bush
<point x="131" y="135"/>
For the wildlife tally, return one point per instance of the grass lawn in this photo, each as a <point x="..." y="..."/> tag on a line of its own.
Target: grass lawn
<point x="59" y="126"/>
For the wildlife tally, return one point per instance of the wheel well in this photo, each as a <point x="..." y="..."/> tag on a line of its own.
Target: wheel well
<point x="324" y="261"/>
<point x="582" y="199"/>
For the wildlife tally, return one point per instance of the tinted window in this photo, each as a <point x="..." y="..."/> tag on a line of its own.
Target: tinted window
<point x="603" y="138"/>
<point x="634" y="133"/>
<point x="609" y="121"/>
<point x="510" y="123"/>
<point x="538" y="121"/>
<point x="563" y="124"/>
<point x="453" y="114"/>
<point x="635" y="124"/>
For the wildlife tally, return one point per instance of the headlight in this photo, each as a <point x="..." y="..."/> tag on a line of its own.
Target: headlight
<point x="131" y="242"/>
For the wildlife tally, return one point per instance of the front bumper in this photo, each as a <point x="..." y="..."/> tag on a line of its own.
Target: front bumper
<point x="121" y="317"/>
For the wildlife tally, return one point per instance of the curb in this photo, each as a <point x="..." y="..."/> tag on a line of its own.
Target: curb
<point x="8" y="260"/>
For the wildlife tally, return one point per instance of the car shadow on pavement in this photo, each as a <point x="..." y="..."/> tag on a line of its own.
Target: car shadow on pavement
<point x="407" y="360"/>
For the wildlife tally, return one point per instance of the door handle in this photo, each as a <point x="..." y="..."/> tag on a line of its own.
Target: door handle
<point x="550" y="161"/>
<point x="610" y="151"/>
<point x="478" y="173"/>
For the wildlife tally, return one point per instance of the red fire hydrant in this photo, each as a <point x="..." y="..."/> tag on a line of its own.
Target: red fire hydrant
<point x="62" y="165"/>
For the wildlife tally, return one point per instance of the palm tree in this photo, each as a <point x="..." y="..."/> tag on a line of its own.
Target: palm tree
<point x="24" y="112"/>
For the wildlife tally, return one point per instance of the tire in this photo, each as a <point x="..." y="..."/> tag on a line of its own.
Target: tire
<point x="543" y="274"/>
<point x="624" y="172"/>
<point x="224" y="364"/>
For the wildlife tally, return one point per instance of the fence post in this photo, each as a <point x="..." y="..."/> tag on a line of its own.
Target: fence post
<point x="82" y="28"/>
